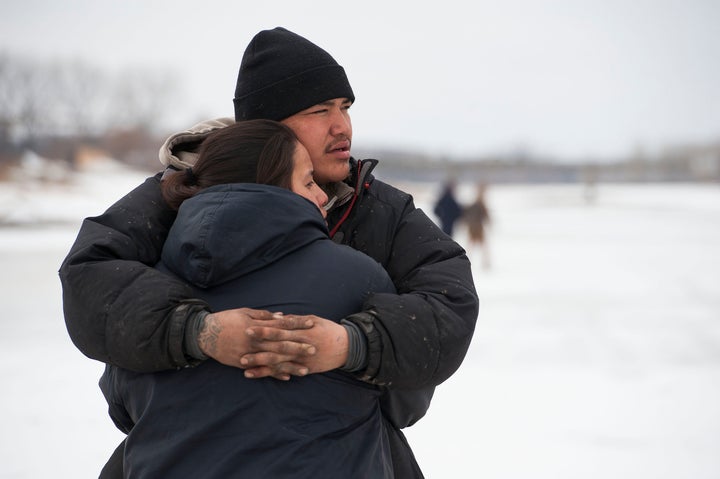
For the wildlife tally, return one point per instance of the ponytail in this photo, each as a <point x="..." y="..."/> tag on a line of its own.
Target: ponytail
<point x="179" y="186"/>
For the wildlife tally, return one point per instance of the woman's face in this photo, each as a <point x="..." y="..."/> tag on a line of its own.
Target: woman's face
<point x="302" y="181"/>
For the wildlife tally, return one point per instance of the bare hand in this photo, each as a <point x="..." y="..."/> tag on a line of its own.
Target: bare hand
<point x="327" y="338"/>
<point x="224" y="338"/>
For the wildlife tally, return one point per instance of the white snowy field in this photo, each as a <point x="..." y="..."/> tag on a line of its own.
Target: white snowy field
<point x="596" y="355"/>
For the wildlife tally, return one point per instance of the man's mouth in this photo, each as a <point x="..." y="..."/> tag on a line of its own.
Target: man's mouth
<point x="341" y="148"/>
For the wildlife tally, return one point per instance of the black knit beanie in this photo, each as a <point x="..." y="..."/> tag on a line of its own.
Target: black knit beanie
<point x="282" y="73"/>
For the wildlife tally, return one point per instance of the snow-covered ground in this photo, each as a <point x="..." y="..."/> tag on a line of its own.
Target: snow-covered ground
<point x="597" y="351"/>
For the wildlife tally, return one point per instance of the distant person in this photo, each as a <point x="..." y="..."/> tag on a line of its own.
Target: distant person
<point x="477" y="217"/>
<point x="447" y="209"/>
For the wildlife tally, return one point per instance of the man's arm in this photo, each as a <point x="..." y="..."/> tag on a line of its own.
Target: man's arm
<point x="420" y="336"/>
<point x="120" y="310"/>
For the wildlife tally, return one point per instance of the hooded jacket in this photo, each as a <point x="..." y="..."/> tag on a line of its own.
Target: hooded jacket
<point x="262" y="247"/>
<point x="120" y="310"/>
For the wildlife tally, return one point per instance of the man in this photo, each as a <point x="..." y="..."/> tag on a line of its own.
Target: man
<point x="121" y="311"/>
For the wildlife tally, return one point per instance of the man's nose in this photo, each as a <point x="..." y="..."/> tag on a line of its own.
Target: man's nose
<point x="340" y="123"/>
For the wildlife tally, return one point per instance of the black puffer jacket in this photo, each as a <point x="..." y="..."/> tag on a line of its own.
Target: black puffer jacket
<point x="120" y="310"/>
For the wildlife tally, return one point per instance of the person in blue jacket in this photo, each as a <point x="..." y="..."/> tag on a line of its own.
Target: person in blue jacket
<point x="447" y="208"/>
<point x="250" y="232"/>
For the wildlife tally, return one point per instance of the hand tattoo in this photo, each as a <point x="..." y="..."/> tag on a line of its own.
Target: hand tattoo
<point x="209" y="334"/>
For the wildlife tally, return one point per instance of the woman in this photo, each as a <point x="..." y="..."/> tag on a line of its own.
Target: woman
<point x="250" y="232"/>
<point x="477" y="217"/>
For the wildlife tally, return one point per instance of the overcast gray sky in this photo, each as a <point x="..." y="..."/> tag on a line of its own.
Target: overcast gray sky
<point x="576" y="79"/>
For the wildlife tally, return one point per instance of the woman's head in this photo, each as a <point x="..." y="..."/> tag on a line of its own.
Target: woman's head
<point x="256" y="151"/>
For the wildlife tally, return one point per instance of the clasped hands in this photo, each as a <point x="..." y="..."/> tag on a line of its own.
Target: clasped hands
<point x="277" y="345"/>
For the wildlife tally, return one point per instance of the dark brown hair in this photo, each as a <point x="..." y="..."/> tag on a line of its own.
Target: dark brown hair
<point x="254" y="151"/>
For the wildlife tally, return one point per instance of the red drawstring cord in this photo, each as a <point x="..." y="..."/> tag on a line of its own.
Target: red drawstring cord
<point x="347" y="211"/>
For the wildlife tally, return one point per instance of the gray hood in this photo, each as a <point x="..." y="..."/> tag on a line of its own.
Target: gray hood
<point x="180" y="150"/>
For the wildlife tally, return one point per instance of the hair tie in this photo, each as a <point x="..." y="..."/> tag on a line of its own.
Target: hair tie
<point x="190" y="176"/>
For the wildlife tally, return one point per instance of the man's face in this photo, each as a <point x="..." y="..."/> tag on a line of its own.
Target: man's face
<point x="326" y="131"/>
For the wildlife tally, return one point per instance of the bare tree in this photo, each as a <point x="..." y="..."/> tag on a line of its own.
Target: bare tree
<point x="140" y="97"/>
<point x="82" y="95"/>
<point x="21" y="95"/>
<point x="72" y="98"/>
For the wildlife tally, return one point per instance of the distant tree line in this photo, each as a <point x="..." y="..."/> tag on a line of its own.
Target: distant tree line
<point x="691" y="162"/>
<point x="54" y="107"/>
<point x="41" y="99"/>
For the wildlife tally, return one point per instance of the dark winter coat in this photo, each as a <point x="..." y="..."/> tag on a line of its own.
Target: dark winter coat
<point x="266" y="248"/>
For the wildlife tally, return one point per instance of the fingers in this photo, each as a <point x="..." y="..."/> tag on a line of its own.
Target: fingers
<point x="253" y="314"/>
<point x="275" y="354"/>
<point x="268" y="318"/>
<point x="282" y="371"/>
<point x="278" y="359"/>
<point x="273" y="361"/>
<point x="288" y="322"/>
<point x="278" y="341"/>
<point x="274" y="334"/>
